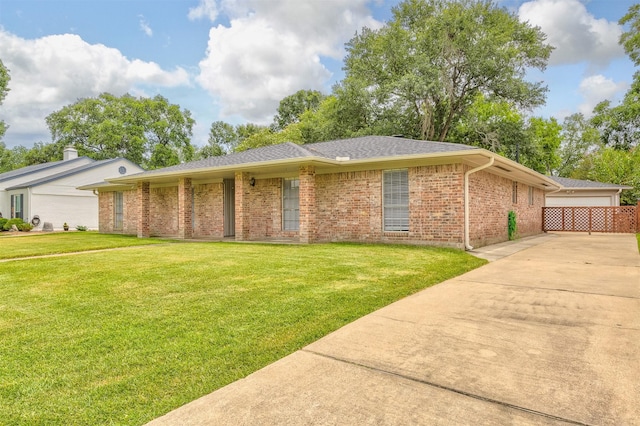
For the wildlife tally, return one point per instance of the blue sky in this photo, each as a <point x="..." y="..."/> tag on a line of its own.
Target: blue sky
<point x="233" y="60"/>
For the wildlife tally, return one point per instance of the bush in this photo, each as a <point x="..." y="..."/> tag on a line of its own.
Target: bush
<point x="81" y="228"/>
<point x="3" y="220"/>
<point x="512" y="226"/>
<point x="25" y="227"/>
<point x="9" y="223"/>
<point x="19" y="223"/>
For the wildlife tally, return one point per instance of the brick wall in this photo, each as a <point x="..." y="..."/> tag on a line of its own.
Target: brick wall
<point x="107" y="212"/>
<point x="208" y="210"/>
<point x="350" y="207"/>
<point x="436" y="204"/>
<point x="130" y="212"/>
<point x="163" y="211"/>
<point x="491" y="201"/>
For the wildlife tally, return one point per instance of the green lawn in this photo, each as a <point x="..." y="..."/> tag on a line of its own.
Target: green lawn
<point x="122" y="337"/>
<point x="16" y="245"/>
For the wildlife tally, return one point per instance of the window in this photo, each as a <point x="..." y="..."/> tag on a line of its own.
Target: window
<point x="395" y="196"/>
<point x="514" y="193"/>
<point x="291" y="205"/>
<point x="531" y="195"/>
<point x="118" y="210"/>
<point x="17" y="206"/>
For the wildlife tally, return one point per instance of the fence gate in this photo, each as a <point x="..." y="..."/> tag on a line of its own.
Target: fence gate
<point x="623" y="219"/>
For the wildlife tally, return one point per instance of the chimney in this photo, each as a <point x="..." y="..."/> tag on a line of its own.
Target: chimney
<point x="70" y="153"/>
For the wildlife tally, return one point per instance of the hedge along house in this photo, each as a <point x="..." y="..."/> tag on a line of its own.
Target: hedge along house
<point x="368" y="189"/>
<point x="48" y="192"/>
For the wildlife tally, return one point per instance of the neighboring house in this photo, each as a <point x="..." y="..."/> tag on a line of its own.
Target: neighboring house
<point x="48" y="192"/>
<point x="581" y="193"/>
<point x="368" y="189"/>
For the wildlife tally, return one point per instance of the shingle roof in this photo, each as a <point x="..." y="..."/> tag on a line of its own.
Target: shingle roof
<point x="366" y="147"/>
<point x="36" y="168"/>
<point x="586" y="184"/>
<point x="63" y="174"/>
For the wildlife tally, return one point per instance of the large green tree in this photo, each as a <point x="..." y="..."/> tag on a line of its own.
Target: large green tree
<point x="579" y="139"/>
<point x="613" y="166"/>
<point x="434" y="57"/>
<point x="292" y="107"/>
<point x="619" y="125"/>
<point x="546" y="139"/>
<point x="494" y="125"/>
<point x="4" y="89"/>
<point x="148" y="131"/>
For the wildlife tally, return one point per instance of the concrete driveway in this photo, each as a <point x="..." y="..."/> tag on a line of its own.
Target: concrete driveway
<point x="548" y="335"/>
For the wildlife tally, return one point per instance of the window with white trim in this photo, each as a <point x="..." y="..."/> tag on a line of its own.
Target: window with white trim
<point x="531" y="195"/>
<point x="395" y="198"/>
<point x="17" y="206"/>
<point x="118" y="211"/>
<point x="291" y="204"/>
<point x="514" y="192"/>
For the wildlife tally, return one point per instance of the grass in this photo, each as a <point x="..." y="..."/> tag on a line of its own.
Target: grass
<point x="122" y="337"/>
<point x="13" y="246"/>
<point x="638" y="237"/>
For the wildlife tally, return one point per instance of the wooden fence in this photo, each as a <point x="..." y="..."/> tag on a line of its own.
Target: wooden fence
<point x="622" y="219"/>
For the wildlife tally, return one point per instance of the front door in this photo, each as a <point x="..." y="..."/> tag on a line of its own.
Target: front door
<point x="229" y="208"/>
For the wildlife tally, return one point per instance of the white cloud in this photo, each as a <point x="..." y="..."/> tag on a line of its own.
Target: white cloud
<point x="597" y="88"/>
<point x="50" y="72"/>
<point x="273" y="49"/>
<point x="206" y="9"/>
<point x="145" y="27"/>
<point x="576" y="34"/>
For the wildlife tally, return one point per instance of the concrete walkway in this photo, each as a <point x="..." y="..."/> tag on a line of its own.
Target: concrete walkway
<point x="547" y="335"/>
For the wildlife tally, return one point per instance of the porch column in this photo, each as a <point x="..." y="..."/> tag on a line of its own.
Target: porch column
<point x="243" y="211"/>
<point x="143" y="209"/>
<point x="185" y="227"/>
<point x="308" y="231"/>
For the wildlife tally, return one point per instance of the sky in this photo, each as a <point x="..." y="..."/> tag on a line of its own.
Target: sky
<point x="234" y="60"/>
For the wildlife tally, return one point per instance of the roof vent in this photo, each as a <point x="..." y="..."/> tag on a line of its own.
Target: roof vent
<point x="69" y="153"/>
<point x="342" y="158"/>
<point x="503" y="169"/>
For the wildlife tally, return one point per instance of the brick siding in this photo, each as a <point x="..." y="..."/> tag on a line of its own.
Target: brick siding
<point x="345" y="206"/>
<point x="163" y="211"/>
<point x="490" y="203"/>
<point x="208" y="220"/>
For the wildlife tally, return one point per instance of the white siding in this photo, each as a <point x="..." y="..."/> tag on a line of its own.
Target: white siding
<point x="59" y="201"/>
<point x="584" y="199"/>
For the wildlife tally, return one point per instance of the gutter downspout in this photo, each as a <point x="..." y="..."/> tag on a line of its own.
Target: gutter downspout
<point x="467" y="244"/>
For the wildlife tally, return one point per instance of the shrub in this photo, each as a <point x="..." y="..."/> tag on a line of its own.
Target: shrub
<point x="25" y="227"/>
<point x="9" y="223"/>
<point x="81" y="228"/>
<point x="512" y="226"/>
<point x="3" y="220"/>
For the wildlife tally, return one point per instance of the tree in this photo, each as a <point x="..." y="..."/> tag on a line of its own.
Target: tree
<point x="494" y="125"/>
<point x="266" y="137"/>
<point x="545" y="137"/>
<point x="4" y="89"/>
<point x="630" y="39"/>
<point x="293" y="106"/>
<point x="579" y="138"/>
<point x="148" y="131"/>
<point x="613" y="166"/>
<point x="435" y="56"/>
<point x="222" y="140"/>
<point x="619" y="125"/>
